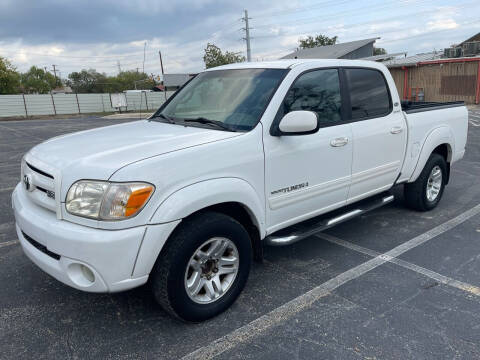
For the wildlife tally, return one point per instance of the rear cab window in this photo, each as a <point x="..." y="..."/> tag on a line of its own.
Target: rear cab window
<point x="369" y="93"/>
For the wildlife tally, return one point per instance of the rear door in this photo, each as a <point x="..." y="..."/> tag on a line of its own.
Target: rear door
<point x="379" y="133"/>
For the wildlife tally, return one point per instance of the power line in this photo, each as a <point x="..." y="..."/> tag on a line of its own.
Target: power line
<point x="357" y="11"/>
<point x="472" y="20"/>
<point x="300" y="9"/>
<point x="353" y="25"/>
<point x="21" y="52"/>
<point x="429" y="32"/>
<point x="387" y="41"/>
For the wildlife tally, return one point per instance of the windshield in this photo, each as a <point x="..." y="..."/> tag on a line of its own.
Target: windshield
<point x="234" y="99"/>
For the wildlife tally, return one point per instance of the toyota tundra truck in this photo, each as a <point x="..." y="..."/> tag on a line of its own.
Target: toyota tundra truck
<point x="242" y="156"/>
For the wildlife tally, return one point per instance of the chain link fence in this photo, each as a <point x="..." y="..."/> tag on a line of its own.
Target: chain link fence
<point x="64" y="104"/>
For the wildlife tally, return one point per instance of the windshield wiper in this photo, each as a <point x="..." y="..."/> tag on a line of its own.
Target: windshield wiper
<point x="216" y="123"/>
<point x="163" y="116"/>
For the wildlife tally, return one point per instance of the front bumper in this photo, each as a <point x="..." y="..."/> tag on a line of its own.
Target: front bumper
<point x="71" y="253"/>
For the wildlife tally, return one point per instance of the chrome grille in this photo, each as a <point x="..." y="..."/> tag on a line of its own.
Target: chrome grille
<point x="39" y="185"/>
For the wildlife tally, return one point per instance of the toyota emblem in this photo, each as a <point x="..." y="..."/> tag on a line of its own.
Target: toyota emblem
<point x="27" y="182"/>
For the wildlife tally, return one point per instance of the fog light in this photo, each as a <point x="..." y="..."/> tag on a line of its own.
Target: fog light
<point x="87" y="273"/>
<point x="81" y="274"/>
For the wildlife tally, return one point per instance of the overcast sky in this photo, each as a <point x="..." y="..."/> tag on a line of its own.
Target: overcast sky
<point x="76" y="34"/>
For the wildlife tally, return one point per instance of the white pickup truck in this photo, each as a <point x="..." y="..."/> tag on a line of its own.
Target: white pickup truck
<point x="242" y="156"/>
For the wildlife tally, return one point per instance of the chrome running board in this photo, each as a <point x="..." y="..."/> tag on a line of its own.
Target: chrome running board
<point x="309" y="227"/>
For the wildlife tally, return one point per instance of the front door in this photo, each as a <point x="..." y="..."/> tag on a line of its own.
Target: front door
<point x="307" y="175"/>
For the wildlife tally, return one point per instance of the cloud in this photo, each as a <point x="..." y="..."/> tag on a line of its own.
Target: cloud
<point x="443" y="18"/>
<point x="96" y="34"/>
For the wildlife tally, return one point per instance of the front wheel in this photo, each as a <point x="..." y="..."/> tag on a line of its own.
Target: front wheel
<point x="203" y="267"/>
<point x="425" y="193"/>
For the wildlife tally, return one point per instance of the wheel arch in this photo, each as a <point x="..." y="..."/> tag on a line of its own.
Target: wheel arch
<point x="439" y="141"/>
<point x="244" y="216"/>
<point x="231" y="196"/>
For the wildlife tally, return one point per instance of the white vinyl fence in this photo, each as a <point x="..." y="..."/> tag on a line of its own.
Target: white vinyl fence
<point x="60" y="104"/>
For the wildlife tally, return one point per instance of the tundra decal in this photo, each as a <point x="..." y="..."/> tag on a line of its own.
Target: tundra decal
<point x="290" y="188"/>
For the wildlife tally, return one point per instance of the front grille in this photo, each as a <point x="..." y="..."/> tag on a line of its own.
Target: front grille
<point x="39" y="185"/>
<point x="41" y="247"/>
<point x="39" y="171"/>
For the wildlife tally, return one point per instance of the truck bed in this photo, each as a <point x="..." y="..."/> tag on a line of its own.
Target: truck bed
<point x="413" y="107"/>
<point x="445" y="122"/>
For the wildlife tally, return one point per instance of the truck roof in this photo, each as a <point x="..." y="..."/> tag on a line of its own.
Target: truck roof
<point x="289" y="63"/>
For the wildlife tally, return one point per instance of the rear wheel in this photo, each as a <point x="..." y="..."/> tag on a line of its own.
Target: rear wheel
<point x="425" y="193"/>
<point x="203" y="267"/>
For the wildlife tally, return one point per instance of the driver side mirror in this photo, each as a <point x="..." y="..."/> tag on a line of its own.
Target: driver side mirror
<point x="298" y="122"/>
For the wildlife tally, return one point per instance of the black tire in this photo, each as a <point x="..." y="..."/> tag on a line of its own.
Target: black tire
<point x="168" y="275"/>
<point x="416" y="192"/>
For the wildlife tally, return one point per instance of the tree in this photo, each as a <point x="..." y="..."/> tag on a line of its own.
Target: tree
<point x="91" y="81"/>
<point x="38" y="81"/>
<point x="318" y="40"/>
<point x="379" y="51"/>
<point x="214" y="57"/>
<point x="9" y="77"/>
<point x="87" y="81"/>
<point x="127" y="80"/>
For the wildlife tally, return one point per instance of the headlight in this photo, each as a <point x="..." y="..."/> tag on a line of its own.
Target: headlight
<point x="107" y="201"/>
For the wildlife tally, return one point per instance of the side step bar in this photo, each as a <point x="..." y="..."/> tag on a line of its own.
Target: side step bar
<point x="309" y="227"/>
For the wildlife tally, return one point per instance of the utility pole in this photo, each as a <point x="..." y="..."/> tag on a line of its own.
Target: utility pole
<point x="161" y="62"/>
<point x="119" y="67"/>
<point x="143" y="66"/>
<point x="247" y="35"/>
<point x="163" y="77"/>
<point x="55" y="72"/>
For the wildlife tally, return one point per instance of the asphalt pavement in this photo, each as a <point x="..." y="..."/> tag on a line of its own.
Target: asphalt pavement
<point x="391" y="284"/>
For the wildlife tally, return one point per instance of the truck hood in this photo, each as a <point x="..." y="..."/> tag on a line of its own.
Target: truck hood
<point x="98" y="153"/>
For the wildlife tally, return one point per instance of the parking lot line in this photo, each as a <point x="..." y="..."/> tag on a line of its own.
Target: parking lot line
<point x="21" y="133"/>
<point x="26" y="143"/>
<point x="8" y="243"/>
<point x="289" y="309"/>
<point x="9" y="165"/>
<point x="405" y="264"/>
<point x="7" y="189"/>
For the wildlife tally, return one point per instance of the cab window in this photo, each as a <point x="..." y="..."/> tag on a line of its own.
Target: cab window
<point x="369" y="95"/>
<point x="317" y="91"/>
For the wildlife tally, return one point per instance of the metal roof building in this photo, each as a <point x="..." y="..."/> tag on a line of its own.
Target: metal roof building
<point x="348" y="50"/>
<point x="413" y="60"/>
<point x="429" y="77"/>
<point x="385" y="57"/>
<point x="175" y="80"/>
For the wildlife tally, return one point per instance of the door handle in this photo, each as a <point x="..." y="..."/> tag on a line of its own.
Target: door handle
<point x="341" y="141"/>
<point x="396" y="130"/>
